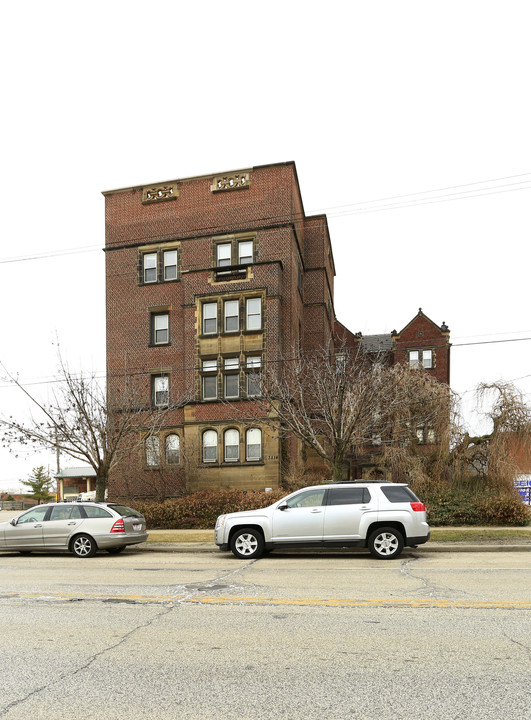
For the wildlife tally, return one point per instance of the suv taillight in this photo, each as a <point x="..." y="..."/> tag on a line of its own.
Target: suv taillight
<point x="418" y="506"/>
<point x="120" y="527"/>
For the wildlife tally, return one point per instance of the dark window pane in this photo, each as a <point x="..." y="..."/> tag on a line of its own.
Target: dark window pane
<point x="399" y="494"/>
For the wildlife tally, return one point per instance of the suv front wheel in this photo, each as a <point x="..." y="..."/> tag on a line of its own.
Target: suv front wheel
<point x="385" y="543"/>
<point x="247" y="544"/>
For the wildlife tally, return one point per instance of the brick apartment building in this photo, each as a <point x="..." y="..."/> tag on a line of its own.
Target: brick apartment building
<point x="208" y="279"/>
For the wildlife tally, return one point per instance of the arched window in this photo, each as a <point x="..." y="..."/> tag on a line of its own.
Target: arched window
<point x="231" y="445"/>
<point x="152" y="447"/>
<point x="173" y="449"/>
<point x="253" y="444"/>
<point x="210" y="446"/>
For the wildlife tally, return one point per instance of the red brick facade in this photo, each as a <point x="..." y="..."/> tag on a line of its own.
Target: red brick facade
<point x="208" y="278"/>
<point x="282" y="297"/>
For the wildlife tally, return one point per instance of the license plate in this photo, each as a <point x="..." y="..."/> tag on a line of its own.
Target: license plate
<point x="137" y="527"/>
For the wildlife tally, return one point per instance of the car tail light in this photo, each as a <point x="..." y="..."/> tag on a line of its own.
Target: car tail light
<point x="119" y="526"/>
<point x="418" y="506"/>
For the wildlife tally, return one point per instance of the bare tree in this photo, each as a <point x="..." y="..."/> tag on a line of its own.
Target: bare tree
<point x="85" y="421"/>
<point x="341" y="403"/>
<point x="495" y="453"/>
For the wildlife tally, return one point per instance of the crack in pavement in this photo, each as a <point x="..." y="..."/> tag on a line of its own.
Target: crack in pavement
<point x="428" y="589"/>
<point x="86" y="664"/>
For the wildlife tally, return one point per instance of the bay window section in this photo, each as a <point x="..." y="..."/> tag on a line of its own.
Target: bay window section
<point x="253" y="364"/>
<point x="231" y="378"/>
<point x="209" y="382"/>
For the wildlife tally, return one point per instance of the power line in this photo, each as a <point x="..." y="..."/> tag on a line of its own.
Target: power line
<point x="351" y="209"/>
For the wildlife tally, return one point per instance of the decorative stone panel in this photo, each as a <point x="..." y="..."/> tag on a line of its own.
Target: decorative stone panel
<point x="159" y="193"/>
<point x="237" y="181"/>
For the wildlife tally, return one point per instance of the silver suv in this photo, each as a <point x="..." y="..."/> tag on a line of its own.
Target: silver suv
<point x="383" y="517"/>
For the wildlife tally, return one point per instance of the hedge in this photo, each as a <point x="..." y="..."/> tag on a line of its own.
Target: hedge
<point x="472" y="505"/>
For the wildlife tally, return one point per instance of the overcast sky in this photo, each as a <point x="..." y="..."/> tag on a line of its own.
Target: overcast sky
<point x="409" y="123"/>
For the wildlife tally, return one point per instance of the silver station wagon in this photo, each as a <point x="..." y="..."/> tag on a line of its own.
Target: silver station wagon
<point x="81" y="528"/>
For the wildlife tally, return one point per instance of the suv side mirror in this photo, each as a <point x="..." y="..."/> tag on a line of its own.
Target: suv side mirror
<point x="283" y="506"/>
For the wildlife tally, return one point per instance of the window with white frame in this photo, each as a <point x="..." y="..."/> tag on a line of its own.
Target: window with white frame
<point x="169" y="262"/>
<point x="209" y="380"/>
<point x="421" y="358"/>
<point x="152" y="448"/>
<point x="245" y="252"/>
<point x="231" y="445"/>
<point x="253" y="314"/>
<point x="231" y="316"/>
<point x="223" y="254"/>
<point x="210" y="446"/>
<point x="160" y="390"/>
<point x="149" y="267"/>
<point x="253" y="444"/>
<point x="160" y="328"/>
<point x="210" y="318"/>
<point x="253" y="365"/>
<point x="231" y="378"/>
<point x="173" y="449"/>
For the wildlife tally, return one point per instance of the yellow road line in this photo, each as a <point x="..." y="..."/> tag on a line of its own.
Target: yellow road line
<point x="265" y="601"/>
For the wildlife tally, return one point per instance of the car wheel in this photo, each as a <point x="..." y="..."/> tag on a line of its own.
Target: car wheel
<point x="386" y="543"/>
<point x="116" y="550"/>
<point x="247" y="543"/>
<point x="83" y="546"/>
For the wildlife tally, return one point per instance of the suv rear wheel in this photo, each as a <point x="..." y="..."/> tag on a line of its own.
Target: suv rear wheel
<point x="247" y="543"/>
<point x="385" y="543"/>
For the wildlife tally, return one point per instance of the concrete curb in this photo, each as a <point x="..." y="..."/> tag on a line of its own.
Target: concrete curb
<point x="430" y="547"/>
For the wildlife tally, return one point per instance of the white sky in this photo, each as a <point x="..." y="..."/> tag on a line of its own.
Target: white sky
<point x="371" y="100"/>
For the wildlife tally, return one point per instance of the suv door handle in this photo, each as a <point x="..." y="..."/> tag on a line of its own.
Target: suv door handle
<point x="316" y="511"/>
<point x="72" y="523"/>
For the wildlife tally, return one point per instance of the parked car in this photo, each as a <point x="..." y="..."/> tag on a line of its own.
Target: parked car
<point x="81" y="528"/>
<point x="383" y="517"/>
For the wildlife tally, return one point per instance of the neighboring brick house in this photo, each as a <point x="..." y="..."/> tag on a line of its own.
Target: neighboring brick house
<point x="208" y="279"/>
<point x="421" y="344"/>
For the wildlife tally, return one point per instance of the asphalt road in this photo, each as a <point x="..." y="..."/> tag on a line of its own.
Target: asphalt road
<point x="171" y="636"/>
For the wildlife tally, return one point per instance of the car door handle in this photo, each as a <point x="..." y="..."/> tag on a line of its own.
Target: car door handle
<point x="38" y="525"/>
<point x="72" y="523"/>
<point x="316" y="511"/>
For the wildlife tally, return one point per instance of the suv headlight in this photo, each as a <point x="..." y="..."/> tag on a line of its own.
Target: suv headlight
<point x="220" y="521"/>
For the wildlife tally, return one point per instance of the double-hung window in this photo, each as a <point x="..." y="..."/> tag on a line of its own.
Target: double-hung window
<point x="231" y="316"/>
<point x="173" y="449"/>
<point x="149" y="267"/>
<point x="253" y="314"/>
<point x="231" y="445"/>
<point x="223" y="254"/>
<point x="210" y="318"/>
<point x="160" y="328"/>
<point x="152" y="448"/>
<point x="161" y="390"/>
<point x="209" y="380"/>
<point x="169" y="262"/>
<point x="253" y="365"/>
<point x="253" y="444"/>
<point x="210" y="446"/>
<point x="231" y="378"/>
<point x="245" y="252"/>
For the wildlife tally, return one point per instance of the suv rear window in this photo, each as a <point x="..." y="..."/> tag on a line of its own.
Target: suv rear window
<point x="399" y="494"/>
<point x="348" y="496"/>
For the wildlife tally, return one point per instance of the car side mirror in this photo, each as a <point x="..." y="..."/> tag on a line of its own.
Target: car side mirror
<point x="283" y="506"/>
<point x="13" y="521"/>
